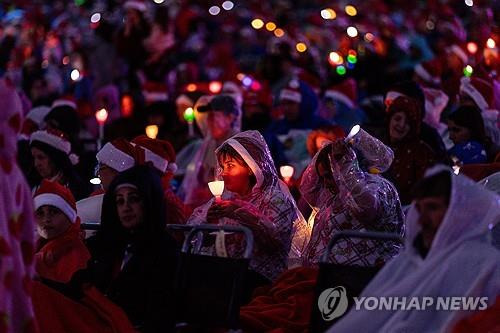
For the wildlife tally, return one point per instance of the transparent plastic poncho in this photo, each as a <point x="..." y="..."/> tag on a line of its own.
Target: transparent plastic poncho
<point x="360" y="201"/>
<point x="280" y="230"/>
<point x="461" y="262"/>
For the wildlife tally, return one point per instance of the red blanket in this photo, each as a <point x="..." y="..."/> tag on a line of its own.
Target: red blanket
<point x="59" y="258"/>
<point x="484" y="321"/>
<point x="55" y="313"/>
<point x="285" y="306"/>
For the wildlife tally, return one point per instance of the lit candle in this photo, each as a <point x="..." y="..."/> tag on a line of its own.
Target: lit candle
<point x="152" y="131"/>
<point x="354" y="130"/>
<point x="216" y="187"/>
<point x="101" y="116"/>
<point x="286" y="172"/>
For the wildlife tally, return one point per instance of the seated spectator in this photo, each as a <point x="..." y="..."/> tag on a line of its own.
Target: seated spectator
<point x="53" y="160"/>
<point x="61" y="299"/>
<point x="447" y="227"/>
<point x="481" y="93"/>
<point x="344" y="197"/>
<point x="256" y="198"/>
<point x="428" y="134"/>
<point x="133" y="257"/>
<point x="466" y="129"/>
<point x="411" y="155"/>
<point x="60" y="249"/>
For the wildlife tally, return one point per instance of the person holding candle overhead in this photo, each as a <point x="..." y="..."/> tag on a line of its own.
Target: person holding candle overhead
<point x="256" y="198"/>
<point x="342" y="186"/>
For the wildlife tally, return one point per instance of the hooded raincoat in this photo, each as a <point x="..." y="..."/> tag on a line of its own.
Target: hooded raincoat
<point x="362" y="202"/>
<point x="461" y="262"/>
<point x="280" y="228"/>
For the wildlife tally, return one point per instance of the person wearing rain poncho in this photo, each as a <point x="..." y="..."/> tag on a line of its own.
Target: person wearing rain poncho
<point x="256" y="198"/>
<point x="344" y="197"/>
<point x="448" y="253"/>
<point x="218" y="119"/>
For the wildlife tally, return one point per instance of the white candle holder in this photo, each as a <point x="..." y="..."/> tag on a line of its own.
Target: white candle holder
<point x="216" y="187"/>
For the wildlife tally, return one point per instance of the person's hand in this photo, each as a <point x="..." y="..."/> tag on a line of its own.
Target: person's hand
<point x="224" y="208"/>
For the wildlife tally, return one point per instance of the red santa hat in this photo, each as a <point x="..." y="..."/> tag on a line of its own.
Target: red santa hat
<point x="57" y="140"/>
<point x="430" y="71"/>
<point x="117" y="154"/>
<point x="136" y="4"/>
<point x="459" y="51"/>
<point x="56" y="195"/>
<point x="344" y="92"/>
<point x="159" y="153"/>
<point x="33" y="121"/>
<point x="480" y="90"/>
<point x="291" y="92"/>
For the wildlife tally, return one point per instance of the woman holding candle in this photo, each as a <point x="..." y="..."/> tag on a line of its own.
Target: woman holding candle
<point x="255" y="197"/>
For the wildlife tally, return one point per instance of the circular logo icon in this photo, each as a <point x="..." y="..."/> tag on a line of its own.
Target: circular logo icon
<point x="332" y="303"/>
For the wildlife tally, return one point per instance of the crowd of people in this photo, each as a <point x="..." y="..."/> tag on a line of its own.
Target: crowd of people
<point x="373" y="116"/>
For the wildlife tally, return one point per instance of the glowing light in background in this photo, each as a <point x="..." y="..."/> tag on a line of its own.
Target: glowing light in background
<point x="270" y="26"/>
<point x="301" y="47"/>
<point x="341" y="70"/>
<point x="468" y="70"/>
<point x="255" y="86"/>
<point x="152" y="131"/>
<point x="247" y="81"/>
<point x="240" y="76"/>
<point x="101" y="116"/>
<point x="352" y="31"/>
<point x="189" y="115"/>
<point x="158" y="1"/>
<point x="369" y="37"/>
<point x="257" y="23"/>
<point x="227" y="5"/>
<point x="469" y="3"/>
<point x="328" y="14"/>
<point x="96" y="17"/>
<point x="490" y="43"/>
<point x="191" y="87"/>
<point x="351" y="10"/>
<point x="430" y="25"/>
<point x="214" y="10"/>
<point x="352" y="59"/>
<point x="215" y="87"/>
<point x="279" y="33"/>
<point x="65" y="60"/>
<point x="472" y="47"/>
<point x="75" y="75"/>
<point x="335" y="59"/>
